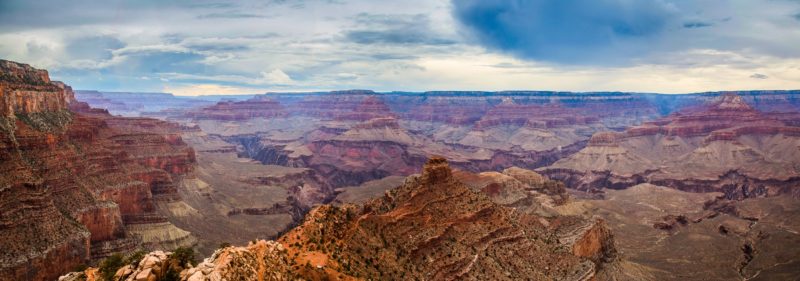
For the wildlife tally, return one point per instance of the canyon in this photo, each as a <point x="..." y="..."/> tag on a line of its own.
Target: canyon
<point x="79" y="184"/>
<point x="724" y="146"/>
<point x="356" y="184"/>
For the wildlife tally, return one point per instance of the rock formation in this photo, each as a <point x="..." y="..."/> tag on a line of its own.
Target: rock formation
<point x="431" y="227"/>
<point x="260" y="107"/>
<point x="78" y="185"/>
<point x="724" y="146"/>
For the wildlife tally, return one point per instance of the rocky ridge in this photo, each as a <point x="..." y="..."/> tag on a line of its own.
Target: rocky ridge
<point x="467" y="237"/>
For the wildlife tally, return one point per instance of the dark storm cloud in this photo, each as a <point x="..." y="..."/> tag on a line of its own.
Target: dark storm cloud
<point x="612" y="32"/>
<point x="563" y="30"/>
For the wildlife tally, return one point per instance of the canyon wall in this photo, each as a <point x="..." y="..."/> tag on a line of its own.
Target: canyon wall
<point x="723" y="146"/>
<point x="78" y="184"/>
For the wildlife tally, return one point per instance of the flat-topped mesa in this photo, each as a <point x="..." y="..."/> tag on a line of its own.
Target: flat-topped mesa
<point x="731" y="101"/>
<point x="370" y="107"/>
<point x="258" y="107"/>
<point x="25" y="90"/>
<point x="344" y="106"/>
<point x="436" y="170"/>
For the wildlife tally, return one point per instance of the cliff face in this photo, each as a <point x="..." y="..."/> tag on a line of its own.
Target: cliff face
<point x="231" y="111"/>
<point x="431" y="227"/>
<point x="26" y="90"/>
<point x="725" y="146"/>
<point x="75" y="185"/>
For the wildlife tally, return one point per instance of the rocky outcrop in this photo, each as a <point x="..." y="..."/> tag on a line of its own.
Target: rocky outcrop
<point x="521" y="189"/>
<point x="465" y="236"/>
<point x="73" y="183"/>
<point x="431" y="227"/>
<point x="725" y="146"/>
<point x="26" y="90"/>
<point x="262" y="260"/>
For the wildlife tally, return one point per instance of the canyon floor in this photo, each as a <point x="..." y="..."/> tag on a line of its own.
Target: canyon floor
<point x="674" y="237"/>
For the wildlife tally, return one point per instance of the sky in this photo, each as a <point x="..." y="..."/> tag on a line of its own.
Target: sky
<point x="247" y="47"/>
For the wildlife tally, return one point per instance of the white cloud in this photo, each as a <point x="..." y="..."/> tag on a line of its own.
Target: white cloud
<point x="306" y="47"/>
<point x="277" y="76"/>
<point x="208" y="89"/>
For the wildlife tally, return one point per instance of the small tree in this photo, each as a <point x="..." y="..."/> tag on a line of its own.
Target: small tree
<point x="170" y="275"/>
<point x="184" y="255"/>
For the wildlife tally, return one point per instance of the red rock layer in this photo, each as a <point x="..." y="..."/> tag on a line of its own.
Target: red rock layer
<point x="534" y="116"/>
<point x="354" y="162"/>
<point x="25" y="90"/>
<point x="369" y="108"/>
<point x="347" y="106"/>
<point x="725" y="146"/>
<point x="452" y="110"/>
<point x="71" y="181"/>
<point x="259" y="107"/>
<point x="379" y="123"/>
<point x="729" y="112"/>
<point x="435" y="227"/>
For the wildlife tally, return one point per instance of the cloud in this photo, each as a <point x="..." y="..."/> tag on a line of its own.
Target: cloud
<point x="230" y="15"/>
<point x="623" y="32"/>
<point x="208" y="89"/>
<point x="395" y="29"/>
<point x="696" y="24"/>
<point x="298" y="45"/>
<point x="95" y="47"/>
<point x="564" y="31"/>
<point x="758" y="76"/>
<point x="277" y="76"/>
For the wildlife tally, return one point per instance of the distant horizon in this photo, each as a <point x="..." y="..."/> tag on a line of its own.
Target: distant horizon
<point x="205" y="47"/>
<point x="435" y="91"/>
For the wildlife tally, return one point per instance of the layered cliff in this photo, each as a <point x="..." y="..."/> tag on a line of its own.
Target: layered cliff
<point x="259" y="107"/>
<point x="431" y="227"/>
<point x="725" y="146"/>
<point x="26" y="90"/>
<point x="77" y="183"/>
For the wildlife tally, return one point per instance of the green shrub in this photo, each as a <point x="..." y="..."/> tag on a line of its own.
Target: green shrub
<point x="110" y="265"/>
<point x="135" y="257"/>
<point x="170" y="275"/>
<point x="183" y="256"/>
